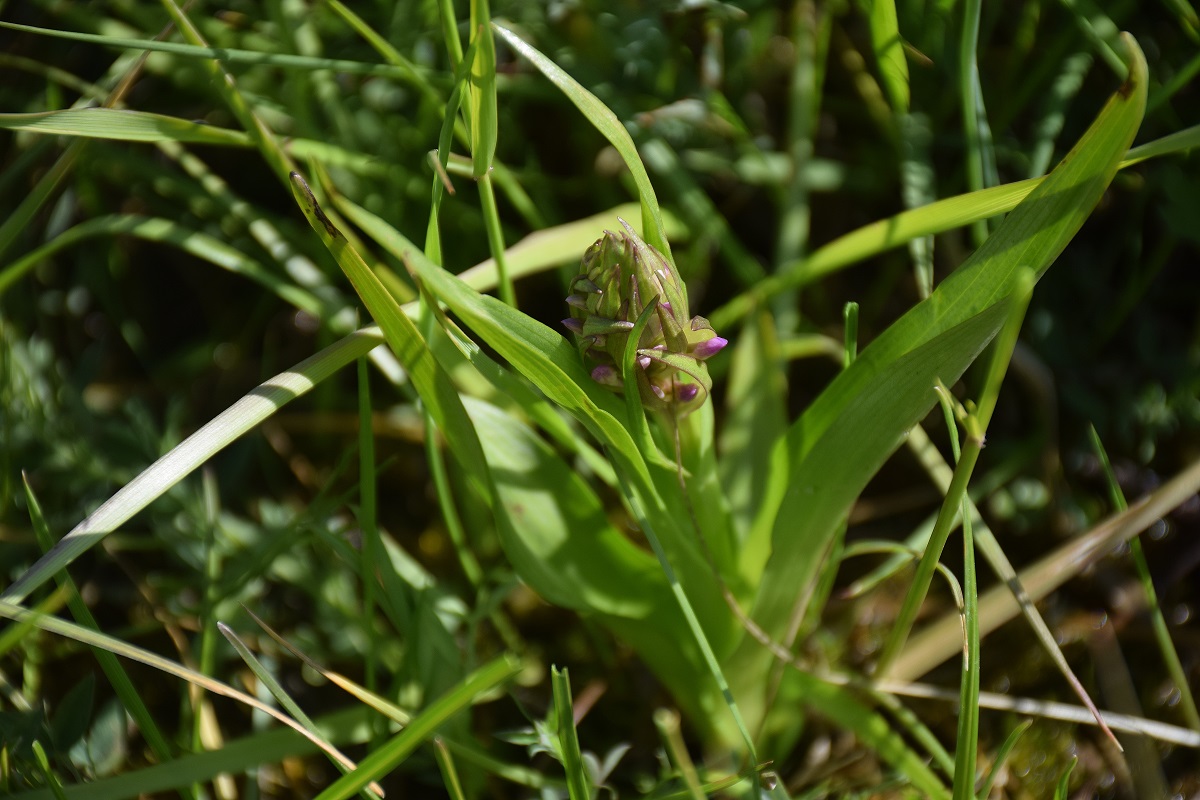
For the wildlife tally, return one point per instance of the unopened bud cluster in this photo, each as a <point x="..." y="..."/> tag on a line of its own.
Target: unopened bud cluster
<point x="621" y="275"/>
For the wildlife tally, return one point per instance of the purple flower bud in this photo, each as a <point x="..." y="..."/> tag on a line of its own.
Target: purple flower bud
<point x="607" y="376"/>
<point x="709" y="347"/>
<point x="620" y="278"/>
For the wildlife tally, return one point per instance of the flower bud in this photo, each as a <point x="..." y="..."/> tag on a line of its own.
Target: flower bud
<point x="621" y="275"/>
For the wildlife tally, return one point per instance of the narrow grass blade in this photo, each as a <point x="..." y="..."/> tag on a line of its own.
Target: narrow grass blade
<point x="943" y="215"/>
<point x="387" y="757"/>
<point x="917" y="180"/>
<point x="229" y="55"/>
<point x="568" y="737"/>
<point x="1162" y="633"/>
<point x="96" y="639"/>
<point x="175" y="465"/>
<point x="699" y="210"/>
<point x="56" y="787"/>
<point x="667" y="722"/>
<point x="116" y="674"/>
<point x="235" y="757"/>
<point x="1001" y="756"/>
<point x="201" y="245"/>
<point x="967" y="744"/>
<point x="607" y="123"/>
<point x="1101" y="31"/>
<point x="121" y="125"/>
<point x="446" y="767"/>
<point x="976" y="425"/>
<point x="981" y="166"/>
<point x="277" y="691"/>
<point x="889" y="52"/>
<point x="483" y="115"/>
<point x="941" y="474"/>
<point x="840" y="705"/>
<point x="1066" y="85"/>
<point x="693" y="622"/>
<point x="939" y="640"/>
<point x="1063" y="787"/>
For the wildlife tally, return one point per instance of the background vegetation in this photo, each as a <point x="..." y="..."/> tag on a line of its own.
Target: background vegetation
<point x="153" y="274"/>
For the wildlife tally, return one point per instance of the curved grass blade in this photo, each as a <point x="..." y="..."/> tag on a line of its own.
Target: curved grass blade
<point x="943" y="215"/>
<point x="228" y="55"/>
<point x="121" y="125"/>
<point x="424" y="725"/>
<point x="116" y="674"/>
<point x="235" y="757"/>
<point x="1162" y="633"/>
<point x="939" y="640"/>
<point x="607" y="123"/>
<point x="175" y="465"/>
<point x="96" y="639"/>
<point x="277" y="691"/>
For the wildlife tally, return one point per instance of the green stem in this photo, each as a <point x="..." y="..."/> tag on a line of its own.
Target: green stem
<point x="491" y="218"/>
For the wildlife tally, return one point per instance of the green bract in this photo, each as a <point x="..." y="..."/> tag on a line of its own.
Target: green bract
<point x="621" y="276"/>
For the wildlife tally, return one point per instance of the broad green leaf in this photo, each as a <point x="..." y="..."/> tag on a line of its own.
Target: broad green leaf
<point x="553" y="365"/>
<point x="856" y="423"/>
<point x="607" y="123"/>
<point x="561" y="543"/>
<point x="756" y="418"/>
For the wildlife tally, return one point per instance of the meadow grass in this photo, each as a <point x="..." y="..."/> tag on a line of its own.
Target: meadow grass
<point x="481" y="563"/>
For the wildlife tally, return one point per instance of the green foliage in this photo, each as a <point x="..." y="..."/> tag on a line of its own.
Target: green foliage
<point x="698" y="525"/>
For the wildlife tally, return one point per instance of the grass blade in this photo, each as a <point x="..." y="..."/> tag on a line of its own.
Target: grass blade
<point x="118" y="647"/>
<point x="607" y="123"/>
<point x="113" y="670"/>
<point x="424" y="725"/>
<point x="121" y="125"/>
<point x="939" y="640"/>
<point x="1162" y="633"/>
<point x="183" y="459"/>
<point x="568" y="737"/>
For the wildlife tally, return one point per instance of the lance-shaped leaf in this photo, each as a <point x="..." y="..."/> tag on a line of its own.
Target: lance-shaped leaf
<point x="846" y="435"/>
